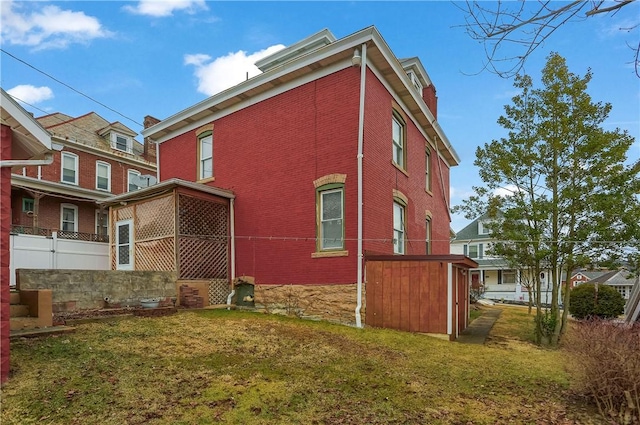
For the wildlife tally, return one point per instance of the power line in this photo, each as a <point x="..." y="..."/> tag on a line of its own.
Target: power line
<point x="69" y="87"/>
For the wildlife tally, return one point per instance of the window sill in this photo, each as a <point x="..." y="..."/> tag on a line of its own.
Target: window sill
<point x="207" y="180"/>
<point x="402" y="170"/>
<point x="429" y="192"/>
<point x="69" y="183"/>
<point x="329" y="254"/>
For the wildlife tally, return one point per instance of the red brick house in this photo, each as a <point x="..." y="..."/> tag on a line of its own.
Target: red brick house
<point x="333" y="150"/>
<point x="94" y="160"/>
<point x="22" y="141"/>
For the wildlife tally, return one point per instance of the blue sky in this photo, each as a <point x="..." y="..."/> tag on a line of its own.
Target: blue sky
<point x="157" y="58"/>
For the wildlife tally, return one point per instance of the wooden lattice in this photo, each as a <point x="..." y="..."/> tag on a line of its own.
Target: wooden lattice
<point x="155" y="255"/>
<point x="155" y="218"/>
<point x="124" y="213"/>
<point x="199" y="217"/>
<point x="203" y="232"/>
<point x="219" y="290"/>
<point x="112" y="254"/>
<point x="202" y="258"/>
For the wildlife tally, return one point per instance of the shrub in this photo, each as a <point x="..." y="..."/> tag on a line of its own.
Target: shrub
<point x="584" y="302"/>
<point x="606" y="359"/>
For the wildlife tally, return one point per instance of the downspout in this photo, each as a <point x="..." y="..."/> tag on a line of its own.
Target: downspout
<point x="48" y="160"/>
<point x="363" y="74"/>
<point x="157" y="162"/>
<point x="233" y="252"/>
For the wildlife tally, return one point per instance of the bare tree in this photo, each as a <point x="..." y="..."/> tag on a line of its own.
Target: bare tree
<point x="528" y="24"/>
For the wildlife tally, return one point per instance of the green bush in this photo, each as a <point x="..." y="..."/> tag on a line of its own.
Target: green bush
<point x="584" y="303"/>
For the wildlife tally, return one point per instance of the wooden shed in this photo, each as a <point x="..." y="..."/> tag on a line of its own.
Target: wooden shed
<point x="176" y="226"/>
<point x="418" y="293"/>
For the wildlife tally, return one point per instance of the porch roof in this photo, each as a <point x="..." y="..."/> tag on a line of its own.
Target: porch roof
<point x="166" y="186"/>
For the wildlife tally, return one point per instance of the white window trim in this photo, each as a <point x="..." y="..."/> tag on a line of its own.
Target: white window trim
<point x="98" y="165"/>
<point x="129" y="173"/>
<point x="202" y="159"/>
<point x="403" y="143"/>
<point x="415" y="81"/>
<point x="114" y="140"/>
<point x="477" y="250"/>
<point x="397" y="247"/>
<point x="427" y="169"/>
<point x="76" y="168"/>
<point x="429" y="242"/>
<point x="75" y="216"/>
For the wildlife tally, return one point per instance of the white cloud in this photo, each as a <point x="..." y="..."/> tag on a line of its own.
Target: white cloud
<point x="162" y="8"/>
<point x="507" y="190"/>
<point x="46" y="27"/>
<point x="455" y="193"/>
<point x="31" y="94"/>
<point x="227" y="71"/>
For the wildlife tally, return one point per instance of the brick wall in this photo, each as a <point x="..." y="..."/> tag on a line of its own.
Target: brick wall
<point x="270" y="153"/>
<point x="381" y="177"/>
<point x="5" y="225"/>
<point x="86" y="289"/>
<point x="87" y="171"/>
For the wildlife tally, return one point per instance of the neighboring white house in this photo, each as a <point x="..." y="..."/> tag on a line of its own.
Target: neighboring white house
<point x="494" y="275"/>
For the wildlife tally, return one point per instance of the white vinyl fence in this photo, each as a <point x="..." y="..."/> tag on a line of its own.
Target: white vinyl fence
<point x="41" y="252"/>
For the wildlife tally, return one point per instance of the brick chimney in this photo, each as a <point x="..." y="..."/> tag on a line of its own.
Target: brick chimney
<point x="149" y="146"/>
<point x="430" y="98"/>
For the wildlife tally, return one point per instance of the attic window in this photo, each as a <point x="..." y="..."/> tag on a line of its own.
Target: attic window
<point x="121" y="143"/>
<point x="415" y="81"/>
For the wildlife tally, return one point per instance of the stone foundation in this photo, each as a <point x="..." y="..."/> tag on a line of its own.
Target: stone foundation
<point x="336" y="303"/>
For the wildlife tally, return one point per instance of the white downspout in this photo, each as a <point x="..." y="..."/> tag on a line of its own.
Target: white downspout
<point x="157" y="162"/>
<point x="363" y="74"/>
<point x="48" y="160"/>
<point x="233" y="252"/>
<point x="449" y="299"/>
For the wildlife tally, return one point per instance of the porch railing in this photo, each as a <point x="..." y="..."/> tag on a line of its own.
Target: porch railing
<point x="62" y="234"/>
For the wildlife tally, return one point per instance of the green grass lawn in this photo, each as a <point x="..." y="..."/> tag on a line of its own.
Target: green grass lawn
<point x="219" y="366"/>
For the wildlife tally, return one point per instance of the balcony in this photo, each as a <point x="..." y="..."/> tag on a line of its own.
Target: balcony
<point x="61" y="234"/>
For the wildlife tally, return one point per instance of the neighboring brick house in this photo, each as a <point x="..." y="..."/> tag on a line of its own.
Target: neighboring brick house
<point x="22" y="141"/>
<point x="94" y="159"/>
<point x="621" y="280"/>
<point x="326" y="123"/>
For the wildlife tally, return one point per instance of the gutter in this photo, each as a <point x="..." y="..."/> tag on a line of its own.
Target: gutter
<point x="48" y="160"/>
<point x="363" y="74"/>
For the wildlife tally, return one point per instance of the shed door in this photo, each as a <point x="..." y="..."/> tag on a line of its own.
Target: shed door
<point x="124" y="245"/>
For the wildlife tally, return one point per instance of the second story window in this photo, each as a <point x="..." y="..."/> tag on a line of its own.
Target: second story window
<point x="69" y="172"/>
<point x="121" y="142"/>
<point x="427" y="167"/>
<point x="398" y="137"/>
<point x="27" y="205"/>
<point x="205" y="160"/>
<point x="103" y="176"/>
<point x="133" y="180"/>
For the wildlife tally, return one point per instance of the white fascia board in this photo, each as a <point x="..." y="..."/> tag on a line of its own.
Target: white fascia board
<point x="265" y="78"/>
<point x="57" y="188"/>
<point x="25" y="120"/>
<point x="105" y="154"/>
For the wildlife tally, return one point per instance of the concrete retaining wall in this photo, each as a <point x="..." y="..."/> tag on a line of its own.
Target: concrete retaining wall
<point x="87" y="289"/>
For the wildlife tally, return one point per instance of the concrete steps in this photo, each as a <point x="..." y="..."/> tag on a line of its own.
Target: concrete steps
<point x="23" y="323"/>
<point x="19" y="314"/>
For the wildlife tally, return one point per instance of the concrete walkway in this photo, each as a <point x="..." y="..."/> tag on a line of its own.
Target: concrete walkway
<point x="479" y="329"/>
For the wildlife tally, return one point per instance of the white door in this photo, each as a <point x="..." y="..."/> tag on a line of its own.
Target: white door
<point x="124" y="245"/>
